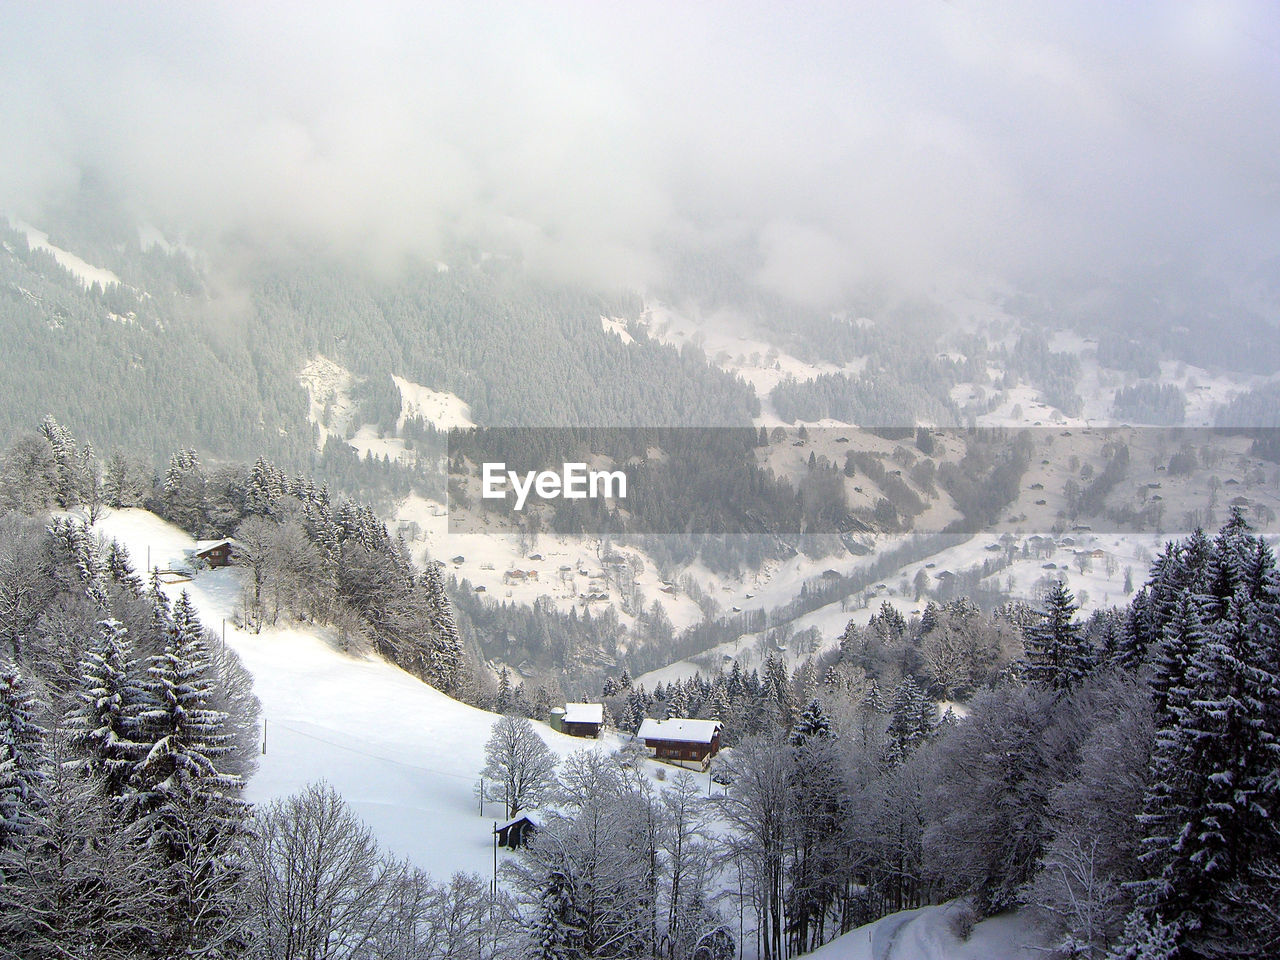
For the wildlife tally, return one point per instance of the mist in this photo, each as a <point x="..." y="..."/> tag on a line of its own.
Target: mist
<point x="826" y="145"/>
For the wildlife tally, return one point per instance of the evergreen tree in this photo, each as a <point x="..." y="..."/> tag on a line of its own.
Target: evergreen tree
<point x="717" y="706"/>
<point x="1058" y="654"/>
<point x="81" y="548"/>
<point x="264" y="487"/>
<point x="889" y="623"/>
<point x="1227" y="562"/>
<point x="1144" y="939"/>
<point x="1182" y="638"/>
<point x="557" y="927"/>
<point x="807" y="681"/>
<point x="120" y="567"/>
<point x="1132" y="650"/>
<point x="1210" y="813"/>
<point x="104" y="723"/>
<point x="444" y="652"/>
<point x="929" y="619"/>
<point x="71" y="466"/>
<point x="22" y="757"/>
<point x="811" y="724"/>
<point x="912" y="722"/>
<point x="780" y="698"/>
<point x="634" y="713"/>
<point x="196" y="824"/>
<point x="503" y="700"/>
<point x="82" y="883"/>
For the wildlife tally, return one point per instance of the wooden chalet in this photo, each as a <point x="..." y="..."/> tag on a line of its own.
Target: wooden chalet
<point x="687" y="743"/>
<point x="578" y="719"/>
<point x="213" y="553"/>
<point x="519" y="830"/>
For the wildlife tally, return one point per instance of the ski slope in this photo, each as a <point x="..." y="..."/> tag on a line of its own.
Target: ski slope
<point x="403" y="755"/>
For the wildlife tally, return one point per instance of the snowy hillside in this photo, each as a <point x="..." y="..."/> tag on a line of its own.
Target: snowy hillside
<point x="441" y="409"/>
<point x="405" y="756"/>
<point x="328" y="387"/>
<point x="759" y="363"/>
<point x="333" y="410"/>
<point x="83" y="271"/>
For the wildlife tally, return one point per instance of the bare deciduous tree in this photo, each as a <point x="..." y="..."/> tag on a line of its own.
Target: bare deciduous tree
<point x="317" y="884"/>
<point x="520" y="764"/>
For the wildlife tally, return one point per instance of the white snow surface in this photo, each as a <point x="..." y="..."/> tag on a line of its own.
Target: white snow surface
<point x="437" y="407"/>
<point x="332" y="409"/>
<point x="730" y="343"/>
<point x="328" y="387"/>
<point x="85" y="272"/>
<point x="584" y="713"/>
<point x="928" y="934"/>
<point x="618" y="328"/>
<point x="403" y="755"/>
<point x="679" y="730"/>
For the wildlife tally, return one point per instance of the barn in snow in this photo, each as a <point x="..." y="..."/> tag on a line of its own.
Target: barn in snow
<point x="579" y="719"/>
<point x="519" y="830"/>
<point x="688" y="743"/>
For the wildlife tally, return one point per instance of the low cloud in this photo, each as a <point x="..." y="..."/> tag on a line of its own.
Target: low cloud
<point x="834" y="144"/>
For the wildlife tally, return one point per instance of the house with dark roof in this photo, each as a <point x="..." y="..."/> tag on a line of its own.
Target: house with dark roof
<point x="213" y="553"/>
<point x="519" y="830"/>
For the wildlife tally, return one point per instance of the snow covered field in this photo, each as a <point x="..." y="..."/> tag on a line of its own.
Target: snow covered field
<point x="438" y="407"/>
<point x="328" y="387"/>
<point x="759" y="363"/>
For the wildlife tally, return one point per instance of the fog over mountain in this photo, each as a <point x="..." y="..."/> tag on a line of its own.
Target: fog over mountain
<point x="817" y="146"/>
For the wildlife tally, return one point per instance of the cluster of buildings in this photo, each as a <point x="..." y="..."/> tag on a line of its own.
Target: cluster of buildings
<point x="678" y="740"/>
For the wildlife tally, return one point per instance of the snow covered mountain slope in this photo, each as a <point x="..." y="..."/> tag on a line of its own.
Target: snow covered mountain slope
<point x="441" y="409"/>
<point x="83" y="271"/>
<point x="328" y="387"/>
<point x="929" y="934"/>
<point x="405" y="756"/>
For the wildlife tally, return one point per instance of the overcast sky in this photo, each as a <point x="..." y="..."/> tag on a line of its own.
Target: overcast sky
<point x="835" y="142"/>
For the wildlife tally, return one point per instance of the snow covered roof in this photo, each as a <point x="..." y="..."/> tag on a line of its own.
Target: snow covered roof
<point x="203" y="546"/>
<point x="584" y="713"/>
<point x="530" y="815"/>
<point x="679" y="730"/>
